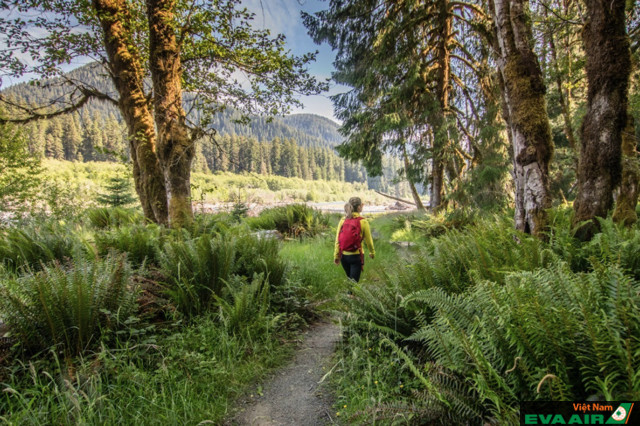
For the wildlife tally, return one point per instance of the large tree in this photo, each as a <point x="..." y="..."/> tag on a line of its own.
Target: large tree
<point x="608" y="67"/>
<point x="405" y="63"/>
<point x="155" y="52"/>
<point x="525" y="112"/>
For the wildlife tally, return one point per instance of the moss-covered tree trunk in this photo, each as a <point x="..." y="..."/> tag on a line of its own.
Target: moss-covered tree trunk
<point x="627" y="201"/>
<point x="126" y="72"/>
<point x="175" y="146"/>
<point x="528" y="121"/>
<point x="608" y="68"/>
<point x="443" y="91"/>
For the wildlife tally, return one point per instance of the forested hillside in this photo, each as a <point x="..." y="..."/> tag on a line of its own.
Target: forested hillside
<point x="298" y="145"/>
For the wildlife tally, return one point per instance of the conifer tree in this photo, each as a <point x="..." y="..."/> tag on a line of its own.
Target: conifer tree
<point x="118" y="192"/>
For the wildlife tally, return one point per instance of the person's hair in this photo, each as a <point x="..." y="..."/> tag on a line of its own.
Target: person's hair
<point x="352" y="206"/>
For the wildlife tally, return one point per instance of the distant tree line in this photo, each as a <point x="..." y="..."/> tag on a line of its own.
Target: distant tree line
<point x="93" y="137"/>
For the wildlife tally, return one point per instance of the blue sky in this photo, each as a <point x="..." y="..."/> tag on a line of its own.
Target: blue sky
<point x="283" y="16"/>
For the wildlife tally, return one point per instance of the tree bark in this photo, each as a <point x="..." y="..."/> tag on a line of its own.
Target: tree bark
<point x="608" y="68"/>
<point x="443" y="91"/>
<point x="127" y="75"/>
<point x="565" y="102"/>
<point x="412" y="186"/>
<point x="625" y="212"/>
<point x="527" y="118"/>
<point x="175" y="146"/>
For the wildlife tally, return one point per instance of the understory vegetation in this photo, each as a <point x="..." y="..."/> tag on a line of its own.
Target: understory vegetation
<point x="108" y="319"/>
<point x="478" y="318"/>
<point x="458" y="318"/>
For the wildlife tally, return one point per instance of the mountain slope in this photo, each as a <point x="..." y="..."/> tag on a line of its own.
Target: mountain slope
<point x="307" y="130"/>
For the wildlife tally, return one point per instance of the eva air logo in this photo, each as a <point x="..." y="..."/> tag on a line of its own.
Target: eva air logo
<point x="621" y="415"/>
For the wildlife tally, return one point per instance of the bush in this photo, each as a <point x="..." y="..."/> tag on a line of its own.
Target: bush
<point x="198" y="269"/>
<point x="259" y="256"/>
<point x="69" y="306"/>
<point x="214" y="224"/>
<point x="294" y="220"/>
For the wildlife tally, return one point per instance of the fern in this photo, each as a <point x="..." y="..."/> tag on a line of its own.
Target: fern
<point x="35" y="245"/>
<point x="197" y="270"/>
<point x="69" y="307"/>
<point x="140" y="242"/>
<point x="294" y="220"/>
<point x="105" y="217"/>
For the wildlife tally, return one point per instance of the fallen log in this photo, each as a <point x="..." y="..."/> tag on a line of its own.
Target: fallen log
<point x="395" y="198"/>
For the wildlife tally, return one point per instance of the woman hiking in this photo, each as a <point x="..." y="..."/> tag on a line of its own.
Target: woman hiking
<point x="352" y="230"/>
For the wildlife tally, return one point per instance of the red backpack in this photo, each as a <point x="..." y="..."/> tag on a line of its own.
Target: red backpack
<point x="349" y="238"/>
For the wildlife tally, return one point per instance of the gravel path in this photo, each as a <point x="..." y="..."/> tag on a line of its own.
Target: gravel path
<point x="295" y="396"/>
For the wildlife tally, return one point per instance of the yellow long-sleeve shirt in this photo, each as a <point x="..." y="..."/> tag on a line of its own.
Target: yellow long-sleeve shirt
<point x="365" y="233"/>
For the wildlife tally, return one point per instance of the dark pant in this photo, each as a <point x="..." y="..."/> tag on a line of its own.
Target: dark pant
<point x="352" y="264"/>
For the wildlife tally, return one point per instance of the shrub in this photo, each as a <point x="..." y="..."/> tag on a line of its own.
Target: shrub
<point x="199" y="268"/>
<point x="294" y="220"/>
<point x="259" y="256"/>
<point x="69" y="306"/>
<point x="438" y="224"/>
<point x="214" y="224"/>
<point x="245" y="304"/>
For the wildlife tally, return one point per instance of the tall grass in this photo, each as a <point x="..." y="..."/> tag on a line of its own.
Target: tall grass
<point x="69" y="306"/>
<point x="186" y="375"/>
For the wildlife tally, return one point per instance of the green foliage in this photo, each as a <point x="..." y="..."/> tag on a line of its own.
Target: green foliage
<point x="507" y="339"/>
<point x="37" y="244"/>
<point x="245" y="304"/>
<point x="492" y="317"/>
<point x="141" y="242"/>
<point x="20" y="175"/>
<point x="197" y="269"/>
<point x="105" y="217"/>
<point x="259" y="256"/>
<point x="188" y="374"/>
<point x="432" y="225"/>
<point x="239" y="211"/>
<point x="294" y="220"/>
<point x="118" y="192"/>
<point x="69" y="307"/>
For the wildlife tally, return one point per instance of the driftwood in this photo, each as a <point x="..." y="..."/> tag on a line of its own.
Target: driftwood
<point x="396" y="198"/>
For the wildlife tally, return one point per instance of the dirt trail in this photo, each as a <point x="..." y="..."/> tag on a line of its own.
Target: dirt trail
<point x="295" y="396"/>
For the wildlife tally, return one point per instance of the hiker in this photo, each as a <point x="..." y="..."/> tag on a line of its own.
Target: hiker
<point x="352" y="229"/>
